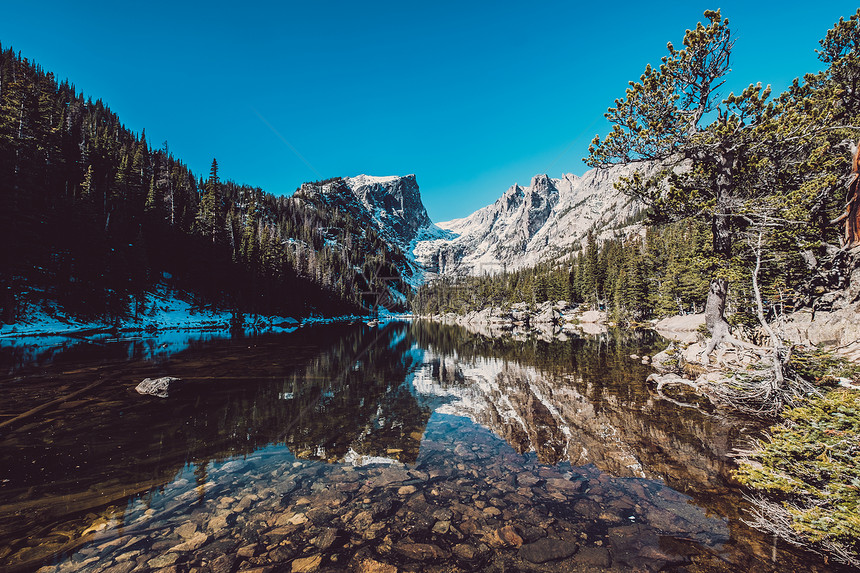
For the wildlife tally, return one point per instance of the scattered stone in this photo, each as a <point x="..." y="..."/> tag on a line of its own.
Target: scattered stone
<point x="420" y="551"/>
<point x="442" y="527"/>
<point x="124" y="567"/>
<point x="160" y="387"/>
<point x="232" y="467"/>
<point x="565" y="485"/>
<point x="547" y="549"/>
<point x="505" y="536"/>
<point x="221" y="521"/>
<point x="193" y="544"/>
<point x="223" y="564"/>
<point x="320" y="515"/>
<point x="248" y="551"/>
<point x="187" y="530"/>
<point x="326" y="539"/>
<point x="587" y="508"/>
<point x="466" y="552"/>
<point x="282" y="554"/>
<point x="165" y="560"/>
<point x="374" y="566"/>
<point x="406" y="490"/>
<point x="593" y="557"/>
<point x="307" y="564"/>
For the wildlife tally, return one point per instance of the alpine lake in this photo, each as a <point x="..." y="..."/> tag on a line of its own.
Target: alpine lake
<point x="409" y="446"/>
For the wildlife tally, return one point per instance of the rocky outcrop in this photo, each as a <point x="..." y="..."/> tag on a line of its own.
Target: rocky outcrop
<point x="394" y="202"/>
<point x="681" y="328"/>
<point x="833" y="320"/>
<point x="549" y="320"/>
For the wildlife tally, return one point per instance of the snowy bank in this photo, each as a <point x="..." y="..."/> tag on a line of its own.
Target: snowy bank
<point x="164" y="309"/>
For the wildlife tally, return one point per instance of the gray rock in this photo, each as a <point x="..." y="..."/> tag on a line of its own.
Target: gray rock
<point x="223" y="564"/>
<point x="420" y="551"/>
<point x="593" y="557"/>
<point x="193" y="544"/>
<point x="160" y="387"/>
<point x="547" y="549"/>
<point x="326" y="539"/>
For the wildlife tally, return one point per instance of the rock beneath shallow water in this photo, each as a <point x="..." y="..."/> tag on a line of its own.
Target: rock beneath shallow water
<point x="505" y="536"/>
<point x="193" y="544"/>
<point x="593" y="557"/>
<point x="374" y="566"/>
<point x="187" y="530"/>
<point x="420" y="551"/>
<point x="160" y="561"/>
<point x="307" y="564"/>
<point x="160" y="387"/>
<point x="547" y="549"/>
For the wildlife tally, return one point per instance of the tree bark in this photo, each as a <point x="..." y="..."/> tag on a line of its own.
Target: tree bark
<point x="715" y="308"/>
<point x="722" y="238"/>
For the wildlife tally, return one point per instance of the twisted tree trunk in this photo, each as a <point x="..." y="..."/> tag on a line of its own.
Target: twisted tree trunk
<point x="718" y="291"/>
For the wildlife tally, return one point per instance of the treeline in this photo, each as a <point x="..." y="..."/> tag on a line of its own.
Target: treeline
<point x="655" y="274"/>
<point x="92" y="216"/>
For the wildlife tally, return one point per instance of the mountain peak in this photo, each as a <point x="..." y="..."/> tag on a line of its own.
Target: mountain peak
<point x="394" y="201"/>
<point x="363" y="179"/>
<point x="526" y="225"/>
<point x="541" y="182"/>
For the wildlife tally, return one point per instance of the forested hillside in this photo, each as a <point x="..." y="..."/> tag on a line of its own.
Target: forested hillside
<point x="645" y="276"/>
<point x="92" y="215"/>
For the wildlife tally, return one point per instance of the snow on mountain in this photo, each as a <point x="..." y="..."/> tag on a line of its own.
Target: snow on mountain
<point x="527" y="225"/>
<point x="391" y="205"/>
<point x="395" y="204"/>
<point x="540" y="222"/>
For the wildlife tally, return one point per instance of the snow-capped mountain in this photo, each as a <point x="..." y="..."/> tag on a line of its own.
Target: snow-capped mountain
<point x="527" y="225"/>
<point x="391" y="206"/>
<point x="394" y="202"/>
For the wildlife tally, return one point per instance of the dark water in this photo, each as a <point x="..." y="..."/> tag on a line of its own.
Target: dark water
<point x="409" y="447"/>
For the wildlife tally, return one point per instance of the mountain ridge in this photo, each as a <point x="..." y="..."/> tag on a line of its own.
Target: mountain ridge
<point x="526" y="225"/>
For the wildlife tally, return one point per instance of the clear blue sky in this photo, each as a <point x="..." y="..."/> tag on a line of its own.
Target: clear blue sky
<point x="469" y="96"/>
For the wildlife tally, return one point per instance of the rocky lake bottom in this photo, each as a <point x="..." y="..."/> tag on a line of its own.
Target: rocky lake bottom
<point x="408" y="447"/>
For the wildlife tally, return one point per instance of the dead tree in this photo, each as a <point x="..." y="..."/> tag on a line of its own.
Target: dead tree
<point x="851" y="216"/>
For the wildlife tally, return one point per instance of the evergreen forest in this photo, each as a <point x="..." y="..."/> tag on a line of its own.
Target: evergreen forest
<point x="92" y="216"/>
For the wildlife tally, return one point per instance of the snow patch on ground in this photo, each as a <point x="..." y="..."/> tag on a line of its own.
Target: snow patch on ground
<point x="164" y="309"/>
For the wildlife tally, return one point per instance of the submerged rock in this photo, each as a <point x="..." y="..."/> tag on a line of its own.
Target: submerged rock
<point x="420" y="551"/>
<point x="160" y="387"/>
<point x="546" y="549"/>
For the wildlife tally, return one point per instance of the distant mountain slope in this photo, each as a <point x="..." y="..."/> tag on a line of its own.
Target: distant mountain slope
<point x="527" y="225"/>
<point x="389" y="206"/>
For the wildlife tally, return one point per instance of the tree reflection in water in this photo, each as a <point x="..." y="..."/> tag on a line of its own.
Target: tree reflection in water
<point x="406" y="444"/>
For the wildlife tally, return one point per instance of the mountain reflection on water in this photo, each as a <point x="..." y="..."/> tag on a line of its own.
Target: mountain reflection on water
<point x="413" y="445"/>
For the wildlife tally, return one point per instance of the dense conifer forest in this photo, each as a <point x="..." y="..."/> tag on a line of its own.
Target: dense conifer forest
<point x="92" y="216"/>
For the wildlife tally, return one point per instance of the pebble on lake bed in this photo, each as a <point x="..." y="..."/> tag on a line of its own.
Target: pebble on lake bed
<point x="160" y="387"/>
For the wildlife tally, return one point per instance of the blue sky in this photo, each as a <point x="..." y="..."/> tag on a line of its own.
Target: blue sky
<point x="471" y="97"/>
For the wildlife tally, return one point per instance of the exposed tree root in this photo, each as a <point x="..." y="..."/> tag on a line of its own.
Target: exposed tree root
<point x="774" y="518"/>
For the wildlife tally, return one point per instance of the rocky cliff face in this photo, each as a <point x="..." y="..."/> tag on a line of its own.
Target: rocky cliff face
<point x="394" y="202"/>
<point x="527" y="225"/>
